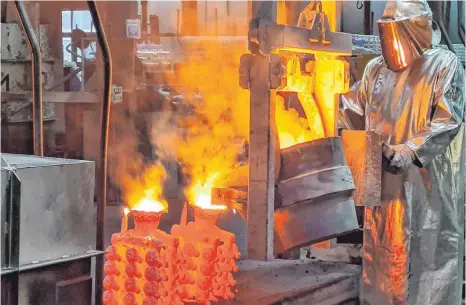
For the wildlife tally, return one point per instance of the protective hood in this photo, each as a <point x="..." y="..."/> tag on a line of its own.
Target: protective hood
<point x="405" y="32"/>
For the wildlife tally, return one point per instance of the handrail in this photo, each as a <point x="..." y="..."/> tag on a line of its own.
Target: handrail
<point x="102" y="165"/>
<point x="37" y="120"/>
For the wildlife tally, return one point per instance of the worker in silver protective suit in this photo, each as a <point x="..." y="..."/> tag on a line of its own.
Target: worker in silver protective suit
<point x="413" y="96"/>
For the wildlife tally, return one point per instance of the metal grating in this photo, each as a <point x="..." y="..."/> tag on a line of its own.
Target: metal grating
<point x="459" y="51"/>
<point x="370" y="45"/>
<point x="366" y="45"/>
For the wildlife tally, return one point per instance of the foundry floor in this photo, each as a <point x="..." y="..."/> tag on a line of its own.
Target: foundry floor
<point x="303" y="282"/>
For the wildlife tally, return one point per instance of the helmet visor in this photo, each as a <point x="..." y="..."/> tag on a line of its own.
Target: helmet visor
<point x="404" y="40"/>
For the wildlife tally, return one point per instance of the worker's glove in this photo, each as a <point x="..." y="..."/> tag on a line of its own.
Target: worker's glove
<point x="397" y="158"/>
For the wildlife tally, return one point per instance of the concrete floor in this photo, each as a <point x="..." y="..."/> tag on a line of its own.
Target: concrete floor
<point x="295" y="282"/>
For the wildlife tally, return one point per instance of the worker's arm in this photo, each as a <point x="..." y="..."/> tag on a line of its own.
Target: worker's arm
<point x="448" y="109"/>
<point x="353" y="104"/>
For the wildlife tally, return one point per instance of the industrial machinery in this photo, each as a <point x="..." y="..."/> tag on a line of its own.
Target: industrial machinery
<point x="291" y="195"/>
<point x="312" y="193"/>
<point x="307" y="185"/>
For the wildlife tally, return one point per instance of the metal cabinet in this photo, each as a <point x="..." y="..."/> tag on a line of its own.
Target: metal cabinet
<point x="49" y="230"/>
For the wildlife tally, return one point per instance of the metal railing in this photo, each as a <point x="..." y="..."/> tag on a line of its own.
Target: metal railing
<point x="101" y="185"/>
<point x="37" y="114"/>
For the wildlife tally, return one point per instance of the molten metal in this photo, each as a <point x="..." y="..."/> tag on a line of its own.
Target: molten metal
<point x="202" y="195"/>
<point x="148" y="205"/>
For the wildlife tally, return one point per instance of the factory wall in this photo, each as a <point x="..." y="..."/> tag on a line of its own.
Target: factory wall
<point x="226" y="15"/>
<point x="353" y="17"/>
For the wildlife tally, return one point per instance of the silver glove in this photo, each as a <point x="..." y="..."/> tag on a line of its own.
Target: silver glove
<point x="401" y="157"/>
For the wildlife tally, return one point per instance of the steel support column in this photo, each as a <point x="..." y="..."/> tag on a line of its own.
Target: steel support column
<point x="255" y="71"/>
<point x="261" y="157"/>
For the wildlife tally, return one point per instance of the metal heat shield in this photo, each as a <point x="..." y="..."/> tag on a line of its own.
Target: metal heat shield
<point x="316" y="189"/>
<point x="57" y="210"/>
<point x="4" y="217"/>
<point x="363" y="152"/>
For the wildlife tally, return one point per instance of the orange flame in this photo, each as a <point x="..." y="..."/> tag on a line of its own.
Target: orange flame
<point x="214" y="135"/>
<point x="202" y="193"/>
<point x="292" y="129"/>
<point x="145" y="194"/>
<point x="149" y="205"/>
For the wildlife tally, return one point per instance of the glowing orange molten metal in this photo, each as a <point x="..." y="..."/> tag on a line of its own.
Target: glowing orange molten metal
<point x="293" y="129"/>
<point x="147" y="204"/>
<point x="145" y="192"/>
<point x="201" y="194"/>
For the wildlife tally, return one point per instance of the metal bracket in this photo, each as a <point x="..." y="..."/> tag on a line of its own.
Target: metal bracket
<point x="276" y="75"/>
<point x="277" y="72"/>
<point x="266" y="37"/>
<point x="319" y="29"/>
<point x="245" y="63"/>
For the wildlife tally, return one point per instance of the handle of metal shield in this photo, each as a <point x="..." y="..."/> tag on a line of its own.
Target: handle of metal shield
<point x="387" y="151"/>
<point x="387" y="155"/>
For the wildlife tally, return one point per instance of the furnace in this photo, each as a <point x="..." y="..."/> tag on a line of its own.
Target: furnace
<point x="312" y="197"/>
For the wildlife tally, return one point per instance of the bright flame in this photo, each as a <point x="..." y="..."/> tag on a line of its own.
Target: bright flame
<point x="215" y="133"/>
<point x="126" y="211"/>
<point x="202" y="194"/>
<point x="292" y="129"/>
<point x="149" y="205"/>
<point x="145" y="193"/>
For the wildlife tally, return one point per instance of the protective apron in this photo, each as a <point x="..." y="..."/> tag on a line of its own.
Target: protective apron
<point x="413" y="243"/>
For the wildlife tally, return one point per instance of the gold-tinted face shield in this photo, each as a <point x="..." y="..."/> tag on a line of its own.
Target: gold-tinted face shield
<point x="405" y="40"/>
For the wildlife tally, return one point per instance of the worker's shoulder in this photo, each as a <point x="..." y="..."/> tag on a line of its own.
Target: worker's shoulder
<point x="375" y="63"/>
<point x="444" y="55"/>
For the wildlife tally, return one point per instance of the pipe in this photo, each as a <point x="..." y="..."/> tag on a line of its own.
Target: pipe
<point x="102" y="172"/>
<point x="144" y="19"/>
<point x="439" y="13"/>
<point x="445" y="16"/>
<point x="461" y="20"/>
<point x="177" y="23"/>
<point x="37" y="121"/>
<point x="367" y="18"/>
<point x="216" y="22"/>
